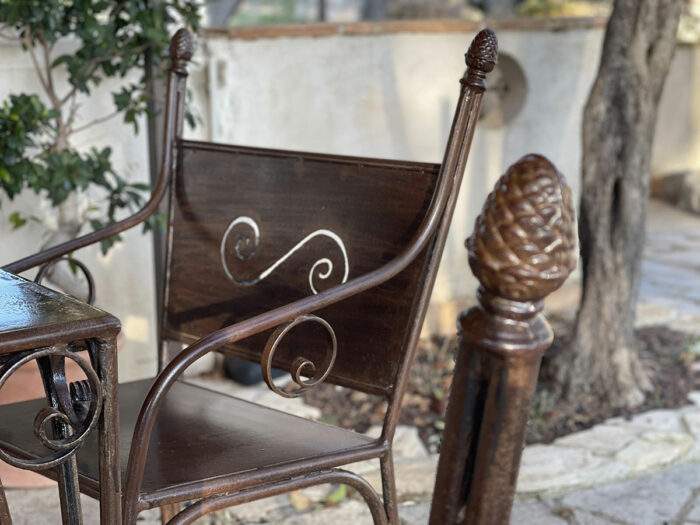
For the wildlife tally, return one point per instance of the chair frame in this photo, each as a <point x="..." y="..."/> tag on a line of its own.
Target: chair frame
<point x="432" y="234"/>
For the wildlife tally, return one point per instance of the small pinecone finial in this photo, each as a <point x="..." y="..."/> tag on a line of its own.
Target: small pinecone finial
<point x="483" y="51"/>
<point x="524" y="244"/>
<point x="181" y="50"/>
<point x="481" y="59"/>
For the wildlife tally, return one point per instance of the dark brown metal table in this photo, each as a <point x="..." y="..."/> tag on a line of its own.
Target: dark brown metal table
<point x="42" y="325"/>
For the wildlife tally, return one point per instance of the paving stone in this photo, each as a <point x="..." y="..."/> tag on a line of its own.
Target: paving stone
<point x="602" y="439"/>
<point x="264" y="510"/>
<point x="549" y="468"/>
<point x="691" y="418"/>
<point x="581" y="517"/>
<point x="654" y="450"/>
<point x="694" y="397"/>
<point x="295" y="406"/>
<point x="414" y="513"/>
<point x="530" y="511"/>
<point x="351" y="512"/>
<point x="407" y="445"/>
<point x="653" y="314"/>
<point x="689" y="324"/>
<point x="649" y="500"/>
<point x="694" y="513"/>
<point x="407" y="442"/>
<point x="414" y="478"/>
<point x="658" y="420"/>
<point x="42" y="507"/>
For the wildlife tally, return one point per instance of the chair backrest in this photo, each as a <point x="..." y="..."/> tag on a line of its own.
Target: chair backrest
<point x="253" y="229"/>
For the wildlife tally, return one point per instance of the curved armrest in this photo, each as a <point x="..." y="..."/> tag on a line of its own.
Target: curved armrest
<point x="180" y="53"/>
<point x="451" y="172"/>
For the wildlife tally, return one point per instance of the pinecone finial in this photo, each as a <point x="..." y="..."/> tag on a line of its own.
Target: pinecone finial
<point x="481" y="59"/>
<point x="524" y="244"/>
<point x="181" y="50"/>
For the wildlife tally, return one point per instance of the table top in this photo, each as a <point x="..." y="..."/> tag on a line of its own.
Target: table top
<point x="33" y="316"/>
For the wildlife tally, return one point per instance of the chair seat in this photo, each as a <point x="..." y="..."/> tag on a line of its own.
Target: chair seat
<point x="201" y="435"/>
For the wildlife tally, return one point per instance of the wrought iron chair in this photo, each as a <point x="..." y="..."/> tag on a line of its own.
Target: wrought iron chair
<point x="243" y="222"/>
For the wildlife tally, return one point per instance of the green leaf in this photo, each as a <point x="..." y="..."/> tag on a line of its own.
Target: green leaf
<point x="338" y="495"/>
<point x="17" y="220"/>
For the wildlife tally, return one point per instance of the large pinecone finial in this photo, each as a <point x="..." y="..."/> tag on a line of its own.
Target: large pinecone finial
<point x="524" y="244"/>
<point x="181" y="50"/>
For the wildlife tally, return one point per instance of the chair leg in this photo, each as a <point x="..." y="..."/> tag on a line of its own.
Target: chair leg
<point x="5" y="518"/>
<point x="168" y="512"/>
<point x="386" y="464"/>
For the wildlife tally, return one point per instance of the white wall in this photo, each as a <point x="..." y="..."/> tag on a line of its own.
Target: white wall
<point x="124" y="279"/>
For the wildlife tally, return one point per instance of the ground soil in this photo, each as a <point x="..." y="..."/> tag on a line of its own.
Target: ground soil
<point x="665" y="352"/>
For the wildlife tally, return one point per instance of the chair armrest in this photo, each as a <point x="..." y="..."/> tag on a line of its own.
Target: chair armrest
<point x="180" y="54"/>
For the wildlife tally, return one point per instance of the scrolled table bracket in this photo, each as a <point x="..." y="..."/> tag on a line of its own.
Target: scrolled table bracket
<point x="44" y="269"/>
<point x="63" y="399"/>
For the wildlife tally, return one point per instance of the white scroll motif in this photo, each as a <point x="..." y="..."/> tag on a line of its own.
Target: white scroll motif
<point x="243" y="243"/>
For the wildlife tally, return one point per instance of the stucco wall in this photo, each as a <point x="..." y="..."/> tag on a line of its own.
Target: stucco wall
<point x="393" y="94"/>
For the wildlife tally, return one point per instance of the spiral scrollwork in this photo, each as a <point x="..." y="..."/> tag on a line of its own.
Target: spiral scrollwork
<point x="301" y="367"/>
<point x="44" y="269"/>
<point x="77" y="423"/>
<point x="244" y="232"/>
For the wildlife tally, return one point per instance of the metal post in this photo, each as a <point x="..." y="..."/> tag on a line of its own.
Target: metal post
<point x="108" y="434"/>
<point x="522" y="249"/>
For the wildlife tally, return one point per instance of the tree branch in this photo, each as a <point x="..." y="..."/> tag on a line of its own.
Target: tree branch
<point x="35" y="62"/>
<point x="57" y="103"/>
<point x="99" y="120"/>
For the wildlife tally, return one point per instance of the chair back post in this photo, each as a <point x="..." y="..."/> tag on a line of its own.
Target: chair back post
<point x="181" y="51"/>
<point x="522" y="249"/>
<point x="480" y="59"/>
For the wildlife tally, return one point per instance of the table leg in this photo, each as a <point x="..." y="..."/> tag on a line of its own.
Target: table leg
<point x="52" y="370"/>
<point x="110" y="471"/>
<point x="5" y="518"/>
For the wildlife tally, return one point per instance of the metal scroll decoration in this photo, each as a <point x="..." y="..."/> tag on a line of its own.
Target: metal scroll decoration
<point x="79" y="423"/>
<point x="246" y="245"/>
<point x="301" y="365"/>
<point x="76" y="264"/>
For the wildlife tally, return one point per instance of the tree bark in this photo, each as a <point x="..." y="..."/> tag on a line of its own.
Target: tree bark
<point x="374" y="9"/>
<point x="618" y="128"/>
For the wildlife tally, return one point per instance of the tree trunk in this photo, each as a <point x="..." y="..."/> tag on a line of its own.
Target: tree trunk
<point x="618" y="128"/>
<point x="374" y="9"/>
<point x="219" y="12"/>
<point x="500" y="8"/>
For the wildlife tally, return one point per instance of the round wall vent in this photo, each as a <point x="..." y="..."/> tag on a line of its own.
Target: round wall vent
<point x="505" y="93"/>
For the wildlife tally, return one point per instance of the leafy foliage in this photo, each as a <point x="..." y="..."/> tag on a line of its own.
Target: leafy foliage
<point x="108" y="39"/>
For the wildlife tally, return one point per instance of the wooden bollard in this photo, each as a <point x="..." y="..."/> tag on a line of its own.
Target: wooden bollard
<point x="522" y="249"/>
